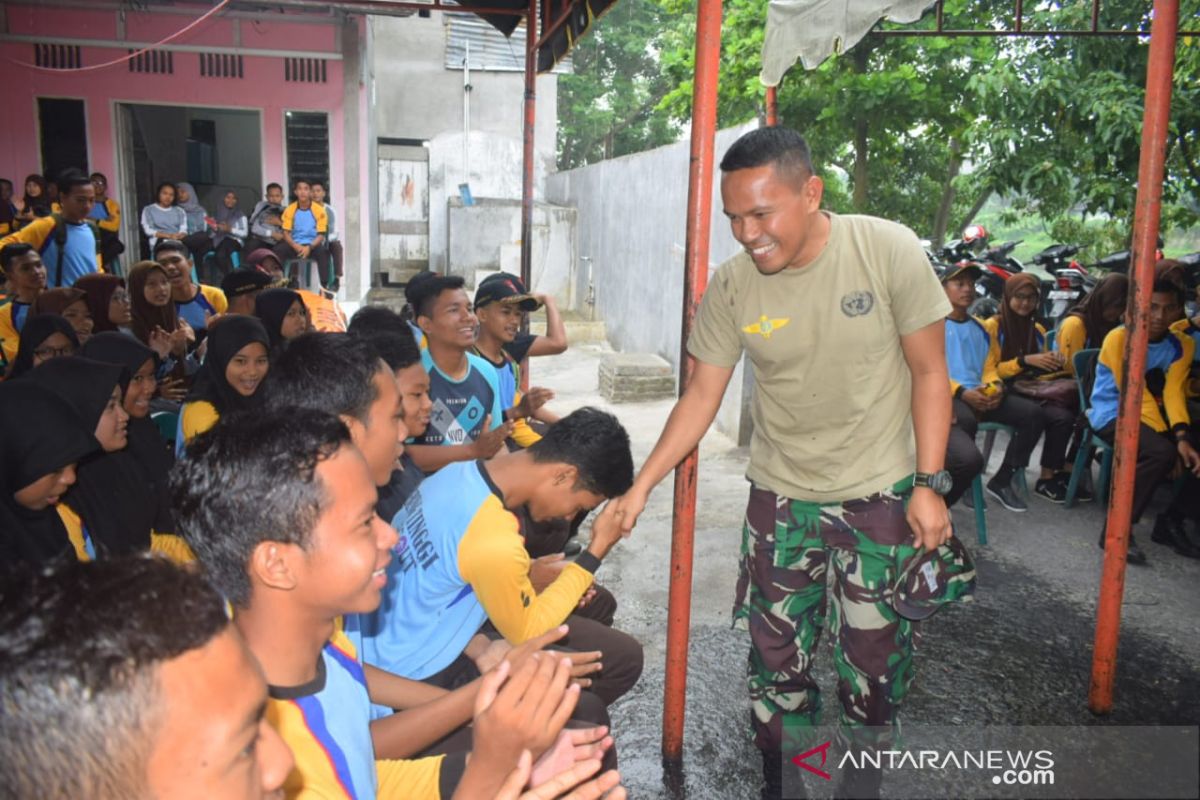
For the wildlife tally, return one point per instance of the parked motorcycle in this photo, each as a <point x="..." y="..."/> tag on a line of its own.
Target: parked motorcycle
<point x="996" y="265"/>
<point x="1069" y="281"/>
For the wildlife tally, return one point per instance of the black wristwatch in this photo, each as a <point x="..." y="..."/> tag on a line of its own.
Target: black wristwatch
<point x="939" y="481"/>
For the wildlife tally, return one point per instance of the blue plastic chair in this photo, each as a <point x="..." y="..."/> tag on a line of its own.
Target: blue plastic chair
<point x="1085" y="365"/>
<point x="980" y="505"/>
<point x="166" y="422"/>
<point x="1051" y="335"/>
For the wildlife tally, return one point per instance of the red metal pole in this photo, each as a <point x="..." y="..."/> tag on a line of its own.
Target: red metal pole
<point x="1159" y="73"/>
<point x="772" y="106"/>
<point x="695" y="279"/>
<point x="531" y="38"/>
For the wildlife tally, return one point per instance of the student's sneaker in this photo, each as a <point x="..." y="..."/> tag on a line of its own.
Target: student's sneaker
<point x="1006" y="495"/>
<point x="1051" y="489"/>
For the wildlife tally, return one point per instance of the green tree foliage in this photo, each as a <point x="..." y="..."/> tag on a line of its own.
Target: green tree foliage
<point x="607" y="107"/>
<point x="924" y="130"/>
<point x="1062" y="118"/>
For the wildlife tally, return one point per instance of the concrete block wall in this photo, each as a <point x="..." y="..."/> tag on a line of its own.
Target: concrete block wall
<point x="632" y="223"/>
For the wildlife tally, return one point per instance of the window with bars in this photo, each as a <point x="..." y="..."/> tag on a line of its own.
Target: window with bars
<point x="304" y="70"/>
<point x="57" y="56"/>
<point x="154" y="62"/>
<point x="307" y="135"/>
<point x="221" y="65"/>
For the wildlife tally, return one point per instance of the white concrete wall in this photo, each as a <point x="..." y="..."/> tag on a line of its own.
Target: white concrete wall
<point x="487" y="236"/>
<point x="416" y="97"/>
<point x="632" y="215"/>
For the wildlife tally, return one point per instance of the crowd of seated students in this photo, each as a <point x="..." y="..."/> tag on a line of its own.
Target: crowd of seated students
<point x="217" y="243"/>
<point x="1005" y="370"/>
<point x="314" y="586"/>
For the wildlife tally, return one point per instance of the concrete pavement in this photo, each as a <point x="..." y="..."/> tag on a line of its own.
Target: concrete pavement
<point x="1019" y="655"/>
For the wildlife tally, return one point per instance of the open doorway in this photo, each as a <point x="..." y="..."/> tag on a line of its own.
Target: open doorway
<point x="214" y="149"/>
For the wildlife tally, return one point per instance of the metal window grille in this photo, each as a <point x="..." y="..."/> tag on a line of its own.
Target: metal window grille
<point x="221" y="65"/>
<point x="305" y="70"/>
<point x="154" y="62"/>
<point x="57" y="56"/>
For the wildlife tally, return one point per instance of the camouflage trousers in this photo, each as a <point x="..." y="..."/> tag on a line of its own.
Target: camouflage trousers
<point x="801" y="561"/>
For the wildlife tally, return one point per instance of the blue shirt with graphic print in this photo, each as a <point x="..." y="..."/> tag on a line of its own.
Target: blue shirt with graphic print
<point x="460" y="407"/>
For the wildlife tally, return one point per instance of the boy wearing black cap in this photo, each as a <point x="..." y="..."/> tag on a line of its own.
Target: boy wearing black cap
<point x="500" y="302"/>
<point x="241" y="286"/>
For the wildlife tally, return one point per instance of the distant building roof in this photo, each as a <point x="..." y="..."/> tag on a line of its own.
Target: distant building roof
<point x="491" y="51"/>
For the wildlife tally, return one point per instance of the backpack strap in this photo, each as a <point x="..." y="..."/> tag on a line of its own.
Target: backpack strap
<point x="60" y="239"/>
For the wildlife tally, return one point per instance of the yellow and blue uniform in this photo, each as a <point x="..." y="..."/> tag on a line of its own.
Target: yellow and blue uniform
<point x="209" y="301"/>
<point x="167" y="544"/>
<point x="107" y="215"/>
<point x="80" y="255"/>
<point x="327" y="725"/>
<point x="12" y="318"/>
<point x="508" y="375"/>
<point x="194" y="419"/>
<point x="461" y="560"/>
<point x="305" y="224"/>
<point x="1188" y="328"/>
<point x="1011" y="368"/>
<point x="969" y="356"/>
<point x="460" y="407"/>
<point x="1172" y="356"/>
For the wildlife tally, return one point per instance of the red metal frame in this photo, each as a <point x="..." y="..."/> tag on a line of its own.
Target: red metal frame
<point x="699" y="213"/>
<point x="531" y="46"/>
<point x="1159" y="73"/>
<point x="772" y="106"/>
<point x="1163" y="34"/>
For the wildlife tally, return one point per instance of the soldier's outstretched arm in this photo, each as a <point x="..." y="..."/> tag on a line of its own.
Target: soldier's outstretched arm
<point x="689" y="421"/>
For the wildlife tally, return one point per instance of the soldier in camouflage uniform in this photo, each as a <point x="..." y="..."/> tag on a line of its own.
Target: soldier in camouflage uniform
<point x="842" y="321"/>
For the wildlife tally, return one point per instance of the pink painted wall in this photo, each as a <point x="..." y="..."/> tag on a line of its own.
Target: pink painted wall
<point x="263" y="88"/>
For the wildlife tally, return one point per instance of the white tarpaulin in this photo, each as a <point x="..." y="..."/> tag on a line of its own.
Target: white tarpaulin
<point x="810" y="31"/>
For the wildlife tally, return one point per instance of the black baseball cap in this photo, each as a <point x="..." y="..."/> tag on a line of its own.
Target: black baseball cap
<point x="963" y="268"/>
<point x="244" y="281"/>
<point x="504" y="287"/>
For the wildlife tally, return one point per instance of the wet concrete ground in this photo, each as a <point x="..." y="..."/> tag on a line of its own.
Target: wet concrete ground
<point x="1019" y="655"/>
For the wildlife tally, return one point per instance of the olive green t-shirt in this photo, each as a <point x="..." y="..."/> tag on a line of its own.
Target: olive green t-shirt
<point x="832" y="408"/>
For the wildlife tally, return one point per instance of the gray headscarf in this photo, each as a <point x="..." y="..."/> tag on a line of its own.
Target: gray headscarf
<point x="192" y="208"/>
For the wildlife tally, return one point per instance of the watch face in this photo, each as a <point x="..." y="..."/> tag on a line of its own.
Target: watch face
<point x="941" y="482"/>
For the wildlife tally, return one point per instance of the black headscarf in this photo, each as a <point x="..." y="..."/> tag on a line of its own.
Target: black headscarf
<point x="111" y="493"/>
<point x="1112" y="290"/>
<point x="146" y="444"/>
<point x="41" y="433"/>
<point x="225" y="339"/>
<point x="147" y="317"/>
<point x="100" y="288"/>
<point x="40" y="205"/>
<point x="271" y="306"/>
<point x="38" y="329"/>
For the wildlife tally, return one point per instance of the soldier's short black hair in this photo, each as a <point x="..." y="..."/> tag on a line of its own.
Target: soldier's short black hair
<point x="783" y="148"/>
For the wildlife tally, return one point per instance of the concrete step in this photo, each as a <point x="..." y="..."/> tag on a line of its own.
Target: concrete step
<point x="635" y="377"/>
<point x="579" y="328"/>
